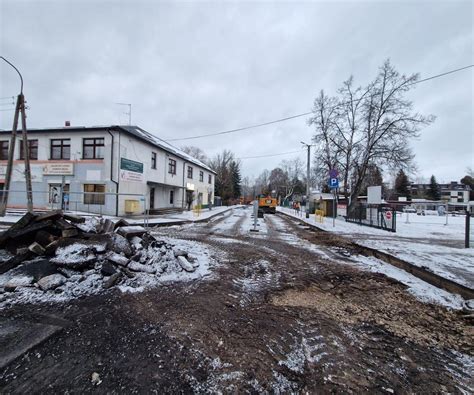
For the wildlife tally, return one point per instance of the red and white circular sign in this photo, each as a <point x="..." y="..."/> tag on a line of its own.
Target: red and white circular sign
<point x="388" y="215"/>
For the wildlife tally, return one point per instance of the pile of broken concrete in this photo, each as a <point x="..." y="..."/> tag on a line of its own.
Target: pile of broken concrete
<point x="49" y="251"/>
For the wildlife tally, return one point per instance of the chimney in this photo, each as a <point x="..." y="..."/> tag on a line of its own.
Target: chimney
<point x="67" y="123"/>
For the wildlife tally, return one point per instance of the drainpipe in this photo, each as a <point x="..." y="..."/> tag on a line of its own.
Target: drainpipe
<point x="183" y="194"/>
<point x="112" y="173"/>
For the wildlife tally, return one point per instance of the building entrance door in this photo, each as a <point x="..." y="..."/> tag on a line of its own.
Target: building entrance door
<point x="189" y="199"/>
<point x="55" y="196"/>
<point x="152" y="198"/>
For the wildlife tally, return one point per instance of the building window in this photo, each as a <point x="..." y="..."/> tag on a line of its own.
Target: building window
<point x="171" y="197"/>
<point x="209" y="179"/>
<point x="61" y="149"/>
<point x="190" y="172"/>
<point x="153" y="160"/>
<point x="3" y="150"/>
<point x="32" y="149"/>
<point x="201" y="176"/>
<point x="93" y="148"/>
<point x="172" y="166"/>
<point x="94" y="194"/>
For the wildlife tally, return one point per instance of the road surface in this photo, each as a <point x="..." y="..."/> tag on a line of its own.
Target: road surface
<point x="283" y="310"/>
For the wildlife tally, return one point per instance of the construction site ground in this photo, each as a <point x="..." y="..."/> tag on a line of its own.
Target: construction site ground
<point x="283" y="310"/>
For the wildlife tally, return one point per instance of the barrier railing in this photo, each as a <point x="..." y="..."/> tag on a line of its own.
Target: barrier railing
<point x="374" y="216"/>
<point x="319" y="216"/>
<point x="129" y="205"/>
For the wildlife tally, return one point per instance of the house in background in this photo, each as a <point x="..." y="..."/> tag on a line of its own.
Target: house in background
<point x="454" y="192"/>
<point x="114" y="170"/>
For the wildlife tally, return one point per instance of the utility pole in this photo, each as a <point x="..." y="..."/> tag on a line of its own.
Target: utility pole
<point x="19" y="109"/>
<point x="129" y="113"/>
<point x="26" y="156"/>
<point x="11" y="152"/>
<point x="308" y="146"/>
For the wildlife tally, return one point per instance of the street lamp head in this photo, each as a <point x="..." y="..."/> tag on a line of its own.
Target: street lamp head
<point x="21" y="78"/>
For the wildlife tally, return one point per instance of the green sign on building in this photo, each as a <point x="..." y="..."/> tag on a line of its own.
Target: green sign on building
<point x="131" y="165"/>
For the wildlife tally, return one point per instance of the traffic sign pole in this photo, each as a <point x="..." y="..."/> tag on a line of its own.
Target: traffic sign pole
<point x="334" y="208"/>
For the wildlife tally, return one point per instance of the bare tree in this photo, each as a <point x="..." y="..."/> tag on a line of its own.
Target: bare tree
<point x="294" y="170"/>
<point x="221" y="164"/>
<point x="365" y="127"/>
<point x="279" y="182"/>
<point x="196" y="153"/>
<point x="262" y="183"/>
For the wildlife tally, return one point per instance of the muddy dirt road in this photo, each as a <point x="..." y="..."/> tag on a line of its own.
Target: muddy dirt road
<point x="284" y="310"/>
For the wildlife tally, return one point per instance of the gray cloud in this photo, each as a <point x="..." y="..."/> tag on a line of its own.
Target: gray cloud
<point x="192" y="68"/>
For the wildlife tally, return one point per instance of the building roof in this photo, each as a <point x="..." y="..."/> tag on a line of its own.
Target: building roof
<point x="156" y="141"/>
<point x="452" y="186"/>
<point x="135" y="131"/>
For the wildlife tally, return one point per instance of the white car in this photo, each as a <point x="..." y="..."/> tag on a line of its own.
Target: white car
<point x="429" y="212"/>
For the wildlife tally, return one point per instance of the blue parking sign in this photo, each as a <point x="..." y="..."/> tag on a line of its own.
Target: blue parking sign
<point x="333" y="183"/>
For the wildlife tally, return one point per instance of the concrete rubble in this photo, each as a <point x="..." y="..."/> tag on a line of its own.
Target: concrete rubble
<point x="52" y="250"/>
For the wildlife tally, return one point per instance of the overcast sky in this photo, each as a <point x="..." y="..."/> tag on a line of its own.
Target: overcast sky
<point x="190" y="68"/>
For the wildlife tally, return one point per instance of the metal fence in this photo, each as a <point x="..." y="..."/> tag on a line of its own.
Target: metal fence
<point x="128" y="205"/>
<point x="375" y="216"/>
<point x="469" y="231"/>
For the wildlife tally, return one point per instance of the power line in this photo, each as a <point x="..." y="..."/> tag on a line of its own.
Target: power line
<point x="267" y="156"/>
<point x="442" y="74"/>
<point x="243" y="128"/>
<point x="305" y="113"/>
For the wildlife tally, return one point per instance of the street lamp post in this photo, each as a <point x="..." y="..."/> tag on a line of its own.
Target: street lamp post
<point x="19" y="110"/>
<point x="308" y="146"/>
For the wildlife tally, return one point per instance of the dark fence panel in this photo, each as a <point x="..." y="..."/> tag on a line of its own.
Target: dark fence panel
<point x="375" y="216"/>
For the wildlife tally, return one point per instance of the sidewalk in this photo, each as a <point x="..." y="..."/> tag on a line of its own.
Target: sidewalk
<point x="425" y="242"/>
<point x="156" y="220"/>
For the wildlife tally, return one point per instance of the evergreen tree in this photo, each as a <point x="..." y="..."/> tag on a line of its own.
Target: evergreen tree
<point x="402" y="185"/>
<point x="469" y="181"/>
<point x="433" y="192"/>
<point x="236" y="179"/>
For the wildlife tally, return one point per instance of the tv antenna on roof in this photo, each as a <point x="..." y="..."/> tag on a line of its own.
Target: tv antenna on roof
<point x="129" y="113"/>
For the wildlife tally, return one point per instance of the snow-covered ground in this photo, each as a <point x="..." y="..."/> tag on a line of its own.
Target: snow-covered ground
<point x="424" y="241"/>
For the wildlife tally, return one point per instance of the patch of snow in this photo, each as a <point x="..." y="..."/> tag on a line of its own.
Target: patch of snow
<point x="306" y="351"/>
<point x="257" y="278"/>
<point x="462" y="369"/>
<point x="419" y="288"/>
<point x="90" y="225"/>
<point x="283" y="385"/>
<point x="76" y="253"/>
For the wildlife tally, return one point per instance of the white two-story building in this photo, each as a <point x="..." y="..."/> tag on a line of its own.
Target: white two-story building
<point x="114" y="170"/>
